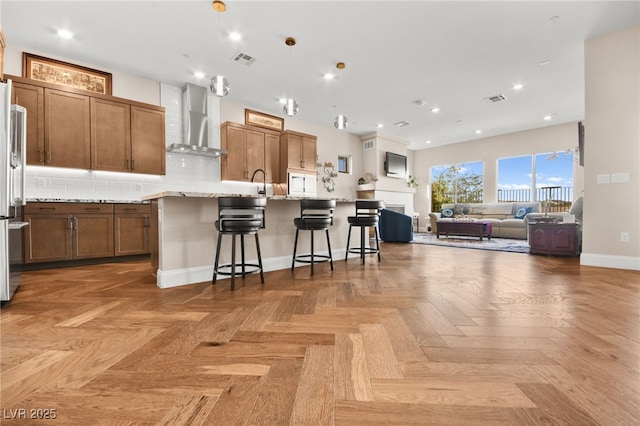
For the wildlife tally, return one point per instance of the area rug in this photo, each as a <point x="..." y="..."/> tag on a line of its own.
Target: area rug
<point x="497" y="244"/>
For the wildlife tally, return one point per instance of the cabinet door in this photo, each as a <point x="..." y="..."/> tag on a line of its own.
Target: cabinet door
<point x="67" y="133"/>
<point x="92" y="235"/>
<point x="233" y="139"/>
<point x="563" y="239"/>
<point x="47" y="238"/>
<point x="110" y="135"/>
<point x="272" y="158"/>
<point x="131" y="234"/>
<point x="294" y="151"/>
<point x="254" y="153"/>
<point x="309" y="153"/>
<point x="148" y="148"/>
<point x="32" y="98"/>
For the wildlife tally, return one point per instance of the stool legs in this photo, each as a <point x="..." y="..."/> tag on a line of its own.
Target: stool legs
<point x="346" y="255"/>
<point x="312" y="256"/>
<point x="363" y="249"/>
<point x="232" y="266"/>
<point x="329" y="247"/>
<point x="375" y="228"/>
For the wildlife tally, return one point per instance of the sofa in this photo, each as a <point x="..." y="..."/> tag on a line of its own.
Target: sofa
<point x="395" y="226"/>
<point x="508" y="220"/>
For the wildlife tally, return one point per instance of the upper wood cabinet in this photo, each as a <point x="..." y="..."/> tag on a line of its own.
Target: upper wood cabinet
<point x="32" y="98"/>
<point x="248" y="149"/>
<point x="147" y="140"/>
<point x="110" y="135"/>
<point x="67" y="136"/>
<point x="298" y="151"/>
<point x="70" y="128"/>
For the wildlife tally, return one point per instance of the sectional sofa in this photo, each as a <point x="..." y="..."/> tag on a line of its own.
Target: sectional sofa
<point x="507" y="219"/>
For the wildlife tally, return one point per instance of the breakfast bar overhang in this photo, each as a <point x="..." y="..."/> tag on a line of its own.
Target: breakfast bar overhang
<point x="183" y="235"/>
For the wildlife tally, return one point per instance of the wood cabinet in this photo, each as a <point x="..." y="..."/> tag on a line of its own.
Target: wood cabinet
<point x="131" y="228"/>
<point x="126" y="138"/>
<point x="72" y="128"/>
<point x="67" y="136"/>
<point x="32" y="98"/>
<point x="551" y="238"/>
<point x="298" y="152"/>
<point x="248" y="149"/>
<point x="110" y="135"/>
<point x="67" y="231"/>
<point x="147" y="140"/>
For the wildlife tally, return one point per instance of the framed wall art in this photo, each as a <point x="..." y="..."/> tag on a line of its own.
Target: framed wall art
<point x="260" y="119"/>
<point x="70" y="75"/>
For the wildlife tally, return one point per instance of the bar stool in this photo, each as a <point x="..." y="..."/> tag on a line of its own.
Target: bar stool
<point x="367" y="214"/>
<point x="315" y="215"/>
<point x="239" y="216"/>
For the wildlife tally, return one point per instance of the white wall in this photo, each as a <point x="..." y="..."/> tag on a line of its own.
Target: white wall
<point x="612" y="148"/>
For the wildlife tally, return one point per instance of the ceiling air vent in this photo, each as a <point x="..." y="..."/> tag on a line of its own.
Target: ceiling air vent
<point x="243" y="58"/>
<point x="496" y="98"/>
<point x="370" y="144"/>
<point x="402" y="123"/>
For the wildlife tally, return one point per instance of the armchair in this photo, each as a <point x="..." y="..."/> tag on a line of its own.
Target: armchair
<point x="395" y="226"/>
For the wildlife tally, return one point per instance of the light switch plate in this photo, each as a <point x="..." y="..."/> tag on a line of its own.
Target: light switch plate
<point x="619" y="177"/>
<point x="602" y="178"/>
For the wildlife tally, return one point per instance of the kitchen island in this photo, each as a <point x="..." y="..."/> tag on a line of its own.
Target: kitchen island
<point x="183" y="235"/>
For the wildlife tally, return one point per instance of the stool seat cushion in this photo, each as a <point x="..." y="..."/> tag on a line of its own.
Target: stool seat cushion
<point x="239" y="226"/>
<point x="363" y="220"/>
<point x="312" y="223"/>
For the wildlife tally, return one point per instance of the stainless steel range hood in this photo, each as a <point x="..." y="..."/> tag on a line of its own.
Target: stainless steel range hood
<point x="195" y="124"/>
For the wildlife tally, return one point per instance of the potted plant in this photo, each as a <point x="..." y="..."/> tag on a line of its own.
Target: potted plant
<point x="413" y="182"/>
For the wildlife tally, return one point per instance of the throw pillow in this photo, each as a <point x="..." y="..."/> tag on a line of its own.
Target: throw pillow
<point x="446" y="213"/>
<point x="522" y="212"/>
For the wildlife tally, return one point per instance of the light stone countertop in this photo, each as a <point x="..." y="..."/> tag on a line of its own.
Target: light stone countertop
<point x="165" y="194"/>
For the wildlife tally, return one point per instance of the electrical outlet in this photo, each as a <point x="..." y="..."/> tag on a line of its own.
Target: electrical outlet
<point x="624" y="237"/>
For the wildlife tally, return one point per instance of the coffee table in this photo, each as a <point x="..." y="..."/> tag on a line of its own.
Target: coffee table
<point x="465" y="228"/>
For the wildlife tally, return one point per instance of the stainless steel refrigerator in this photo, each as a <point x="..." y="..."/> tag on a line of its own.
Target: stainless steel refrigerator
<point x="13" y="137"/>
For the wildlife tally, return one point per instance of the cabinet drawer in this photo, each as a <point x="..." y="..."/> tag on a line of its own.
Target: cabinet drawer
<point x="132" y="208"/>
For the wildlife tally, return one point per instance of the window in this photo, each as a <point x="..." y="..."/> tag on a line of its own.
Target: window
<point x="344" y="164"/>
<point x="459" y="183"/>
<point x="551" y="174"/>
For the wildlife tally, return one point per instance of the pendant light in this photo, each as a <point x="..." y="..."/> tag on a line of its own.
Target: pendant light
<point x="219" y="85"/>
<point x="290" y="104"/>
<point x="341" y="121"/>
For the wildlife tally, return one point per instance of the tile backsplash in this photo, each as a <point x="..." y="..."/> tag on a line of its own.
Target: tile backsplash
<point x="183" y="172"/>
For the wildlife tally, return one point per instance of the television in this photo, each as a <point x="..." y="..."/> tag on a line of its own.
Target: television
<point x="395" y="165"/>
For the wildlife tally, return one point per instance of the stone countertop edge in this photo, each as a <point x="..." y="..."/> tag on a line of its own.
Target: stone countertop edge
<point x="182" y="194"/>
<point x="81" y="200"/>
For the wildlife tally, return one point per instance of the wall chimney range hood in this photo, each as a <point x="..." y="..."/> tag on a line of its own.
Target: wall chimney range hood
<point x="195" y="124"/>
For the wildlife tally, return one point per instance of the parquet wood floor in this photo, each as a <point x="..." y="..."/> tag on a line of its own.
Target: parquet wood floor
<point x="429" y="336"/>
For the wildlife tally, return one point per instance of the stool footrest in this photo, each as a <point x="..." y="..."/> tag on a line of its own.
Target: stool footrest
<point x="317" y="258"/>
<point x="367" y="250"/>
<point x="238" y="269"/>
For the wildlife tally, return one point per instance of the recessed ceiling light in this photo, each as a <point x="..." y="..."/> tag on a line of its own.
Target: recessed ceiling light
<point x="547" y="117"/>
<point x="546" y="62"/>
<point x="235" y="36"/>
<point x="427" y="142"/>
<point x="198" y="74"/>
<point x="435" y="109"/>
<point x="282" y="101"/>
<point x="478" y="131"/>
<point x="65" y="34"/>
<point x="419" y="102"/>
<point x="329" y="76"/>
<point x="518" y="86"/>
<point x="555" y="18"/>
<point x="380" y="126"/>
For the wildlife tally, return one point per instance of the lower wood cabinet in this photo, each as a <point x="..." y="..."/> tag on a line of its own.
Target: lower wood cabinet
<point x="131" y="229"/>
<point x="74" y="231"/>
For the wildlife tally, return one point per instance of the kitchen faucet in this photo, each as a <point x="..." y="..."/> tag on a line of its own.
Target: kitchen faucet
<point x="264" y="181"/>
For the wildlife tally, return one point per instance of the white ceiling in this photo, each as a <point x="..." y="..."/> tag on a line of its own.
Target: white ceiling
<point x="449" y="54"/>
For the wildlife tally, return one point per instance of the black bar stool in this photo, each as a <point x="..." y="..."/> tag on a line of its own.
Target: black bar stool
<point x="367" y="214"/>
<point x="239" y="216"/>
<point x="315" y="215"/>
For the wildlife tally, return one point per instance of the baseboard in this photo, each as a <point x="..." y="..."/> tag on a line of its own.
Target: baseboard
<point x="179" y="277"/>
<point x="609" y="261"/>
